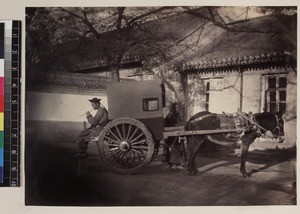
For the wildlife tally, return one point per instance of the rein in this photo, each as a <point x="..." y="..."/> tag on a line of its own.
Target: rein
<point x="259" y="126"/>
<point x="278" y="125"/>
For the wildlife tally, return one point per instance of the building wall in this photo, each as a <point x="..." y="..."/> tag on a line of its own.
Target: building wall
<point x="291" y="115"/>
<point x="225" y="93"/>
<point x="56" y="106"/>
<point x="53" y="115"/>
<point x="252" y="92"/>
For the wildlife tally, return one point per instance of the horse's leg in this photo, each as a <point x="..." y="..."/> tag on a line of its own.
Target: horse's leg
<point x="247" y="140"/>
<point x="189" y="153"/>
<point x="199" y="143"/>
<point x="193" y="146"/>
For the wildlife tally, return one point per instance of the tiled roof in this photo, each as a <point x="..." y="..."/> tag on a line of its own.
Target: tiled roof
<point x="216" y="48"/>
<point x="93" y="64"/>
<point x="66" y="80"/>
<point x="243" y="62"/>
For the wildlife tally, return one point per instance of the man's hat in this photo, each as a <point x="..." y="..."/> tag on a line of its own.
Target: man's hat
<point x="95" y="100"/>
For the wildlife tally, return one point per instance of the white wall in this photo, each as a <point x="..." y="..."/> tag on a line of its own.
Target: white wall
<point x="225" y="95"/>
<point x="47" y="106"/>
<point x="291" y="113"/>
<point x="252" y="92"/>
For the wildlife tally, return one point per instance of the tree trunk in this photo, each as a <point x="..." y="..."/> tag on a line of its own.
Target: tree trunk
<point x="115" y="73"/>
<point x="184" y="85"/>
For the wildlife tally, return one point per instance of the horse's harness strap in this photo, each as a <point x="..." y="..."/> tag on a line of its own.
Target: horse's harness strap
<point x="202" y="117"/>
<point x="277" y="125"/>
<point x="253" y="121"/>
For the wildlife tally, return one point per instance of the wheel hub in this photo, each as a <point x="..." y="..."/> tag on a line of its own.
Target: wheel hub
<point x="124" y="146"/>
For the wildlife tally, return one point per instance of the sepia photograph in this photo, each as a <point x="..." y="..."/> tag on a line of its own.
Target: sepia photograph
<point x="161" y="106"/>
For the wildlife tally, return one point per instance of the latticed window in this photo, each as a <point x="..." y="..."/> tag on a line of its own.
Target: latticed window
<point x="276" y="93"/>
<point x="207" y="90"/>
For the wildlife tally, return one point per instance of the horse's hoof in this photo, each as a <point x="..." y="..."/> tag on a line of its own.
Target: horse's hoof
<point x="192" y="173"/>
<point x="246" y="175"/>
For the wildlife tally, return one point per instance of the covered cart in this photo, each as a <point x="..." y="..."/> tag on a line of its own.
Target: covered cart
<point x="128" y="141"/>
<point x="136" y="128"/>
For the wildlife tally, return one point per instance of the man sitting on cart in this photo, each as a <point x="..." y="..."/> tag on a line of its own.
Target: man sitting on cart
<point x="97" y="122"/>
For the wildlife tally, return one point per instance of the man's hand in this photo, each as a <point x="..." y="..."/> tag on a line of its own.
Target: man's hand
<point x="88" y="114"/>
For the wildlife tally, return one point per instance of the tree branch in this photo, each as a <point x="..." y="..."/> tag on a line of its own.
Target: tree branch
<point x="85" y="21"/>
<point x="120" y="17"/>
<point x="132" y="21"/>
<point x="222" y="24"/>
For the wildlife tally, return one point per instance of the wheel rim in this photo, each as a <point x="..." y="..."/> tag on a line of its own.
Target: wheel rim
<point x="125" y="144"/>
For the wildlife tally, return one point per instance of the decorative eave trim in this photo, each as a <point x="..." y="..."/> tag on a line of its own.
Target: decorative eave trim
<point x="263" y="61"/>
<point x="99" y="65"/>
<point x="66" y="80"/>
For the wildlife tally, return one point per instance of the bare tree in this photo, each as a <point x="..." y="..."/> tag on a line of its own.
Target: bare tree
<point x="146" y="32"/>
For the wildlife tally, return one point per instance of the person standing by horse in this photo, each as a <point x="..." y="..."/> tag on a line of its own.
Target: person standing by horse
<point x="175" y="152"/>
<point x="97" y="122"/>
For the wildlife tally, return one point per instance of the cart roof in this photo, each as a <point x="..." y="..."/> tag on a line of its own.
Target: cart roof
<point x="126" y="99"/>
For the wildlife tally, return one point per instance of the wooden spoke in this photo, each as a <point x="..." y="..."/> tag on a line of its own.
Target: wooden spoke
<point x="137" y="157"/>
<point x="113" y="155"/>
<point x="133" y="134"/>
<point x="140" y="135"/>
<point x="115" y="136"/>
<point x="138" y="151"/>
<point x="125" y="146"/>
<point x="115" y="159"/>
<point x="139" y="142"/>
<point x="123" y="131"/>
<point x="126" y="159"/>
<point x="111" y="151"/>
<point x="112" y="140"/>
<point x="141" y="147"/>
<point x="128" y="132"/>
<point x="119" y="133"/>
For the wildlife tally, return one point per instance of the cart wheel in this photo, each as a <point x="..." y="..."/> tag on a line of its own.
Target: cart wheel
<point x="125" y="145"/>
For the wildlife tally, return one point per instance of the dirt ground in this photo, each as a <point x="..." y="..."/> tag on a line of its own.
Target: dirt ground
<point x="54" y="177"/>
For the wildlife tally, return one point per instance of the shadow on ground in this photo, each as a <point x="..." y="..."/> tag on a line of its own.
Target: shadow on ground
<point x="54" y="177"/>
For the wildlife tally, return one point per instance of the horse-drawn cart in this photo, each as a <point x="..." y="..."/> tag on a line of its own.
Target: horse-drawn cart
<point x="136" y="129"/>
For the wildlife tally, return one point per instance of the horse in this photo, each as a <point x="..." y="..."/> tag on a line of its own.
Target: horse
<point x="254" y="126"/>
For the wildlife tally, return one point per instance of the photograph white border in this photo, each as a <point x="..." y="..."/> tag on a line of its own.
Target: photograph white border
<point x="12" y="199"/>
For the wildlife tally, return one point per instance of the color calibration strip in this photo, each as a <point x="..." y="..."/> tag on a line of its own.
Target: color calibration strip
<point x="12" y="59"/>
<point x="15" y="105"/>
<point x="1" y="101"/>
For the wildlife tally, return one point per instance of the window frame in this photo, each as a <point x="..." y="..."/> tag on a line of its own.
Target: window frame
<point x="146" y="100"/>
<point x="207" y="95"/>
<point x="277" y="89"/>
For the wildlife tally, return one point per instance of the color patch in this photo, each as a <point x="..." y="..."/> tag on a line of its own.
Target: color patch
<point x="1" y="157"/>
<point x="1" y="99"/>
<point x="1" y="169"/>
<point x="1" y="66"/>
<point x="1" y="83"/>
<point x="1" y="142"/>
<point x="10" y="63"/>
<point x="1" y="103"/>
<point x="1" y="121"/>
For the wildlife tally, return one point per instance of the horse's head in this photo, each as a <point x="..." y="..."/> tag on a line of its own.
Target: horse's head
<point x="271" y="124"/>
<point x="174" y="108"/>
<point x="173" y="116"/>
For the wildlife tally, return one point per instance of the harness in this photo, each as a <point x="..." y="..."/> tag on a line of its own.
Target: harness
<point x="259" y="127"/>
<point x="239" y="121"/>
